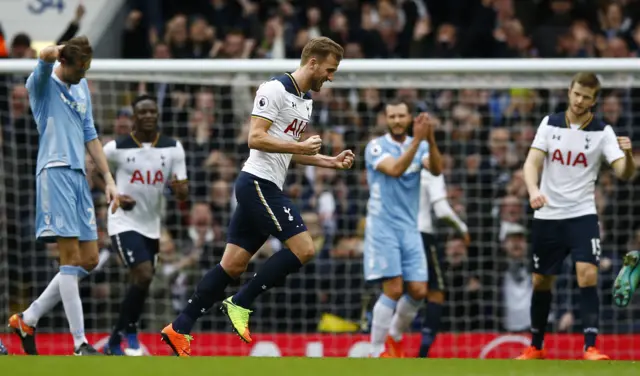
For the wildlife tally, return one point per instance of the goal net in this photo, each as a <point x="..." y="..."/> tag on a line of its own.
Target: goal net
<point x="488" y="112"/>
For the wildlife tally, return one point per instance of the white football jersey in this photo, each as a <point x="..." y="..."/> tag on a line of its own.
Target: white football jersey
<point x="432" y="190"/>
<point x="574" y="155"/>
<point x="143" y="171"/>
<point x="289" y="111"/>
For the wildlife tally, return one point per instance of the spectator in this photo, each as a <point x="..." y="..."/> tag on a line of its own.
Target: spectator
<point x="516" y="286"/>
<point x="201" y="37"/>
<point x="462" y="308"/>
<point x="123" y="124"/>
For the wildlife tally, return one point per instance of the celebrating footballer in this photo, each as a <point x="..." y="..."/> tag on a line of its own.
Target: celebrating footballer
<point x="281" y="112"/>
<point x="568" y="149"/>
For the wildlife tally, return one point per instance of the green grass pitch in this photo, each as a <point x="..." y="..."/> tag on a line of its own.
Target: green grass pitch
<point x="250" y="366"/>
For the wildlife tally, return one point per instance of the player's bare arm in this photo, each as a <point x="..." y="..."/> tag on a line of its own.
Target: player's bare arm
<point x="342" y="161"/>
<point x="259" y="139"/>
<point x="94" y="147"/>
<point x="180" y="188"/>
<point x="624" y="168"/>
<point x="51" y="53"/>
<point x="435" y="158"/>
<point x="396" y="167"/>
<point x="532" y="168"/>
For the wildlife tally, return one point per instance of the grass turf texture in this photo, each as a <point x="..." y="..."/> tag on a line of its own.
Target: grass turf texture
<point x="171" y="366"/>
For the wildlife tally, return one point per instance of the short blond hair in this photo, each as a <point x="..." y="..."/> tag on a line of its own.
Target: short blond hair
<point x="587" y="79"/>
<point x="320" y="48"/>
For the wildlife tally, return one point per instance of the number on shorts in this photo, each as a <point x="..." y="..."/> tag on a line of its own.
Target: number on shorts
<point x="595" y="247"/>
<point x="92" y="216"/>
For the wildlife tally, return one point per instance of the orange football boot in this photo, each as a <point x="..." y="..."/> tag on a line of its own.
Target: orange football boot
<point x="594" y="354"/>
<point x="531" y="353"/>
<point x="25" y="332"/>
<point x="179" y="343"/>
<point x="393" y="349"/>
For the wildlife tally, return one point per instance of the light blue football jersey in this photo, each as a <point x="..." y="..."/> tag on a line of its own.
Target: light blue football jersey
<point x="393" y="201"/>
<point x="64" y="117"/>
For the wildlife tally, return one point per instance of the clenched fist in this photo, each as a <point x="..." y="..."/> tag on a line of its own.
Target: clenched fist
<point x="625" y="143"/>
<point x="344" y="160"/>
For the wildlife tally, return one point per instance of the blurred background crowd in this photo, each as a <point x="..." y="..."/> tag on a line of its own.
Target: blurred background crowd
<point x="484" y="135"/>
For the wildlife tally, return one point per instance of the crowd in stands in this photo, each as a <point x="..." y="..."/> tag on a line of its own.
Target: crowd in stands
<point x="484" y="135"/>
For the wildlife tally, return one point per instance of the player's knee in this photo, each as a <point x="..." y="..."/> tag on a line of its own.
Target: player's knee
<point x="587" y="274"/>
<point x="435" y="296"/>
<point x="234" y="267"/>
<point x="142" y="275"/>
<point x="234" y="270"/>
<point x="235" y="260"/>
<point x="302" y="246"/>
<point x="393" y="288"/>
<point x="305" y="253"/>
<point x="72" y="260"/>
<point x="89" y="255"/>
<point x="69" y="254"/>
<point x="543" y="282"/>
<point x="90" y="262"/>
<point x="417" y="291"/>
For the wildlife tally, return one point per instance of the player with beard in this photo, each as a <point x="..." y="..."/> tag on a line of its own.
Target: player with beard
<point x="393" y="249"/>
<point x="281" y="111"/>
<point x="568" y="149"/>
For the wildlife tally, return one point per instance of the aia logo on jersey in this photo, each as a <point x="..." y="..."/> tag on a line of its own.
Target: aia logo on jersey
<point x="147" y="177"/>
<point x="296" y="128"/>
<point x="569" y="159"/>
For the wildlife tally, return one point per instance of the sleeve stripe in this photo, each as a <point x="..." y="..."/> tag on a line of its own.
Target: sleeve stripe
<point x="262" y="117"/>
<point x="544" y="151"/>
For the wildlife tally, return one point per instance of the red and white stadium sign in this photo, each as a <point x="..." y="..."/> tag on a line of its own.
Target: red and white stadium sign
<point x="467" y="345"/>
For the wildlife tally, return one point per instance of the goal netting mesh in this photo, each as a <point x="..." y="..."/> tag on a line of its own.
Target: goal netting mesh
<point x="488" y="112"/>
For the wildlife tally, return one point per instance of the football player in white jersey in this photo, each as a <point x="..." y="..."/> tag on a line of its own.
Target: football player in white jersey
<point x="281" y="112"/>
<point x="144" y="162"/>
<point x="569" y="148"/>
<point x="433" y="200"/>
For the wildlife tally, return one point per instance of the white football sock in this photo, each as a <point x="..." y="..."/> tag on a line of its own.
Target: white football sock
<point x="380" y="322"/>
<point x="70" y="294"/>
<point x="406" y="312"/>
<point x="45" y="302"/>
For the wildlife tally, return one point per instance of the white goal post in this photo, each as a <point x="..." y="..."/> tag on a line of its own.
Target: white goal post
<point x="488" y="112"/>
<point x="443" y="73"/>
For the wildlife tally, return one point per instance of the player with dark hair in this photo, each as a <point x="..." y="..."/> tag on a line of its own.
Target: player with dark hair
<point x="281" y="112"/>
<point x="393" y="250"/>
<point x="144" y="162"/>
<point x="569" y="148"/>
<point x="61" y="103"/>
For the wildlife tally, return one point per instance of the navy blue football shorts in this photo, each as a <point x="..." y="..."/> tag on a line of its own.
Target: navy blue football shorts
<point x="263" y="210"/>
<point x="553" y="240"/>
<point x="135" y="248"/>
